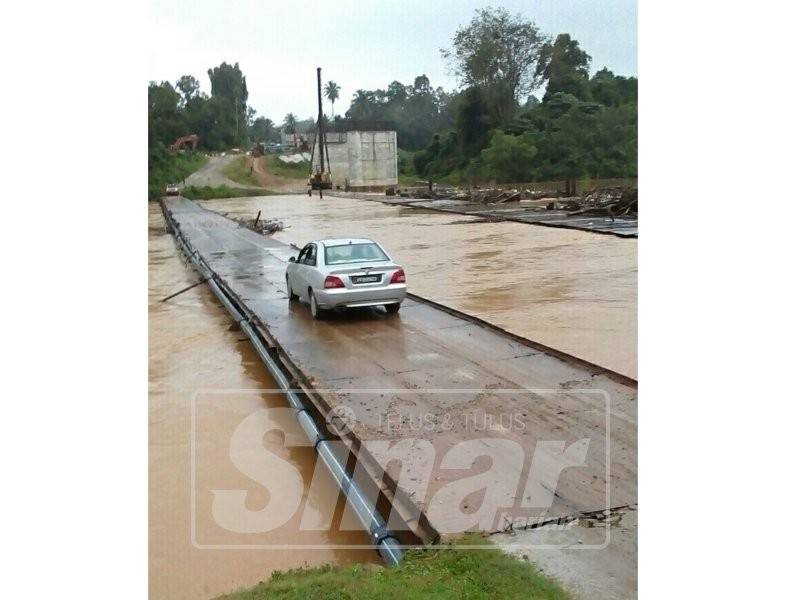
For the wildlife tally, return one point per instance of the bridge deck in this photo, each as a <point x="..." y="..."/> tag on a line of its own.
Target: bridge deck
<point x="392" y="374"/>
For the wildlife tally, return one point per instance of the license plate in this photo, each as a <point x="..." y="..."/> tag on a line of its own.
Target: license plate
<point x="366" y="279"/>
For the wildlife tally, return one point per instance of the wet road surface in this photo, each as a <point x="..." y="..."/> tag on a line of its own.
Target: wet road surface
<point x="571" y="290"/>
<point x="427" y="364"/>
<point x="194" y="357"/>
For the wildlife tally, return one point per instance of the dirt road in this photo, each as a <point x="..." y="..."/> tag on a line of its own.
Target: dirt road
<point x="274" y="182"/>
<point x="211" y="173"/>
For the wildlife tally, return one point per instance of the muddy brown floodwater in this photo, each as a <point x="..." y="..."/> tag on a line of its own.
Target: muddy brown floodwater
<point x="195" y="359"/>
<point x="572" y="290"/>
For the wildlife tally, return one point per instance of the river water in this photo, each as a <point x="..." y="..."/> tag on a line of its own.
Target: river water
<point x="197" y="364"/>
<point x="571" y="290"/>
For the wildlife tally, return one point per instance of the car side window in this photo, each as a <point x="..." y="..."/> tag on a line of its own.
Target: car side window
<point x="302" y="256"/>
<point x="311" y="256"/>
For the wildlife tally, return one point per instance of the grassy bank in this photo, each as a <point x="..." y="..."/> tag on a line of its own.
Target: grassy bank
<point x="239" y="171"/>
<point x="288" y="170"/>
<point x="442" y="573"/>
<point x="164" y="166"/>
<point x="222" y="191"/>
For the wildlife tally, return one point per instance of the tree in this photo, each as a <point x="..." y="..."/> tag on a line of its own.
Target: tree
<point x="565" y="67"/>
<point x="396" y="92"/>
<point x="415" y="111"/>
<point x="263" y="130"/>
<point x="290" y="123"/>
<point x="613" y="90"/>
<point x="509" y="158"/>
<point x="222" y="120"/>
<point x="165" y="122"/>
<point x="422" y="86"/>
<point x="189" y="88"/>
<point x="229" y="93"/>
<point x="364" y="106"/>
<point x="499" y="53"/>
<point x="201" y="117"/>
<point x="473" y="121"/>
<point x="332" y="90"/>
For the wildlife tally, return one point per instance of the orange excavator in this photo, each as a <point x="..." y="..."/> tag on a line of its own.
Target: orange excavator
<point x="185" y="140"/>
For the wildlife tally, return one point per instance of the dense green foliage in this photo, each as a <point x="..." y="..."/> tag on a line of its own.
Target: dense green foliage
<point x="584" y="127"/>
<point x="498" y="53"/>
<point x="494" y="129"/>
<point x="207" y="192"/>
<point x="264" y="130"/>
<point x="406" y="173"/>
<point x="168" y="167"/>
<point x="222" y="120"/>
<point x="442" y="573"/>
<point x="565" y="68"/>
<point x="416" y="111"/>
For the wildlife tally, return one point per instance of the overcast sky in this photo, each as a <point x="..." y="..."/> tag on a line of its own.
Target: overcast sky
<point x="359" y="44"/>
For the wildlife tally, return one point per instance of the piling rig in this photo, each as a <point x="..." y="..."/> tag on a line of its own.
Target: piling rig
<point x="321" y="179"/>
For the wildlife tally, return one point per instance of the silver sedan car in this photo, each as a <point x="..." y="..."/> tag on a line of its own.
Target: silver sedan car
<point x="345" y="273"/>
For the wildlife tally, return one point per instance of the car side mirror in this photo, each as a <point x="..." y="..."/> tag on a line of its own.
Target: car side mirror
<point x="292" y="259"/>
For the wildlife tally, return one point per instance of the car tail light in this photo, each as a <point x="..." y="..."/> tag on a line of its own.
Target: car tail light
<point x="331" y="281"/>
<point x="398" y="277"/>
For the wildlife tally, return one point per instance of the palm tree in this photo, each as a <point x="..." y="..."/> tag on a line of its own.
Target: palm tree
<point x="290" y="126"/>
<point x="332" y="90"/>
<point x="290" y="123"/>
<point x="361" y="106"/>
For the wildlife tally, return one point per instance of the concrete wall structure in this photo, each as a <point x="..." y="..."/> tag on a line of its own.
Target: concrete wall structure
<point x="361" y="159"/>
<point x="297" y="140"/>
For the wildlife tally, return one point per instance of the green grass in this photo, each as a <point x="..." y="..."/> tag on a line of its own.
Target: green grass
<point x="166" y="167"/>
<point x="239" y="172"/>
<point x="404" y="180"/>
<point x="288" y="170"/>
<point x="222" y="191"/>
<point x="442" y="573"/>
<point x="406" y="175"/>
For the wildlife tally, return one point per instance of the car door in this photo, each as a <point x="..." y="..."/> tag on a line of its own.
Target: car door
<point x="305" y="262"/>
<point x="309" y="269"/>
<point x="294" y="271"/>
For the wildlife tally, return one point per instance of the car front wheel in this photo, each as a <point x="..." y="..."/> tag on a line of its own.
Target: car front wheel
<point x="292" y="295"/>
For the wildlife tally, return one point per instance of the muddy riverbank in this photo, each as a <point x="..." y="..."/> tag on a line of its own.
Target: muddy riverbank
<point x="572" y="290"/>
<point x="194" y="358"/>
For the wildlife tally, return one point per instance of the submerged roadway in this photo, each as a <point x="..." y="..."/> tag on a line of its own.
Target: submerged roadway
<point x="556" y="437"/>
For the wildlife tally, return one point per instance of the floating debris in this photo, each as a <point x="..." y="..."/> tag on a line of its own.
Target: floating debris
<point x="259" y="225"/>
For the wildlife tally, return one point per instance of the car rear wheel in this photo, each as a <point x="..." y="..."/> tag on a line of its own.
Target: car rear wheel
<point x="316" y="312"/>
<point x="392" y="309"/>
<point x="292" y="295"/>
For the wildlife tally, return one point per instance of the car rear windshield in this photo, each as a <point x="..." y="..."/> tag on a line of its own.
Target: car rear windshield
<point x="353" y="253"/>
